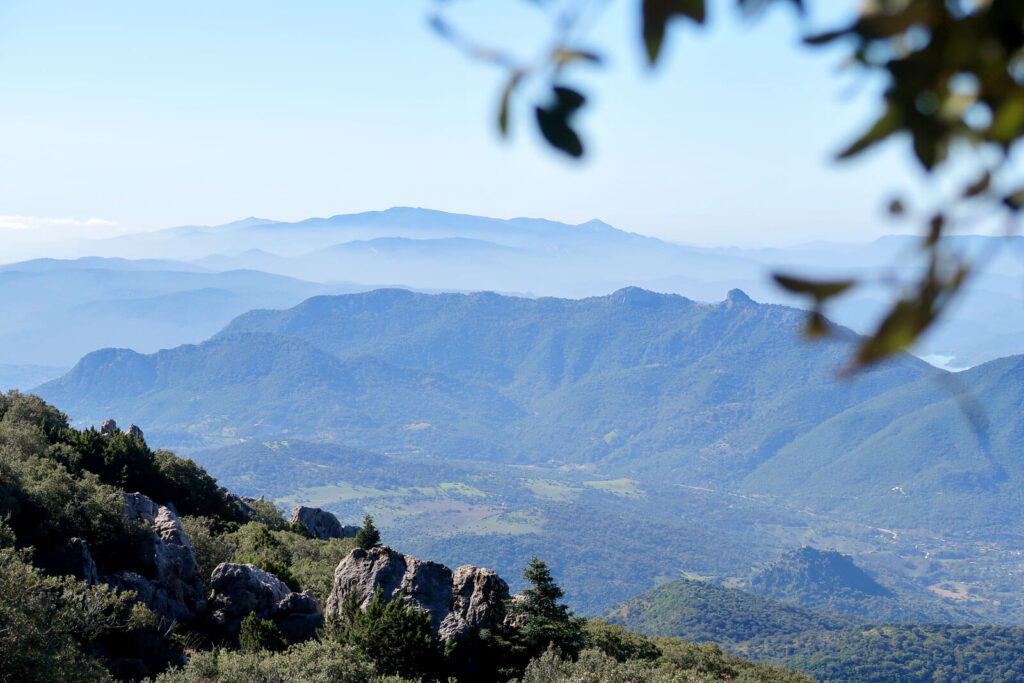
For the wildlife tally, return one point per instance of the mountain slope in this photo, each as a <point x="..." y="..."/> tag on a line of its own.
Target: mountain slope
<point x="953" y="438"/>
<point x="712" y="389"/>
<point x="830" y="648"/>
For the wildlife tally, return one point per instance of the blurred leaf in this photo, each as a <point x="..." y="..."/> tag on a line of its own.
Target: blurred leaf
<point x="910" y="317"/>
<point x="1008" y="122"/>
<point x="827" y="37"/>
<point x="819" y="290"/>
<point x="817" y="326"/>
<point x="656" y="15"/>
<point x="897" y="331"/>
<point x="1014" y="200"/>
<point x="506" y="101"/>
<point x="935" y="226"/>
<point x="563" y="56"/>
<point x="554" y="121"/>
<point x="887" y="124"/>
<point x="978" y="186"/>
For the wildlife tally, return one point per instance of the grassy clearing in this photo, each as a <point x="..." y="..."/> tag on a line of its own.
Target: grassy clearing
<point x="626" y="488"/>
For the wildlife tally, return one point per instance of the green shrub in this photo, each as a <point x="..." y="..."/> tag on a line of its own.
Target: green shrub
<point x="211" y="548"/>
<point x="310" y="662"/>
<point x="259" y="635"/>
<point x="618" y="643"/>
<point x="397" y="638"/>
<point x="53" y="627"/>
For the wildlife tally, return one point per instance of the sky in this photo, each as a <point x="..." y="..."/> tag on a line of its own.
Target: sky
<point x="125" y="116"/>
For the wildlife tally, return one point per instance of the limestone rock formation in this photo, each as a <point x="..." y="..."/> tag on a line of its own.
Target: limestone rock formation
<point x="135" y="432"/>
<point x="322" y="524"/>
<point x="238" y="589"/>
<point x="109" y="428"/>
<point x="478" y="602"/>
<point x="459" y="604"/>
<point x="232" y="497"/>
<point x="173" y="587"/>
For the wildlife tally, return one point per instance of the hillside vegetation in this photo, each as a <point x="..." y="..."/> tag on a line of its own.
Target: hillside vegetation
<point x="829" y="648"/>
<point x="67" y="545"/>
<point x="630" y="409"/>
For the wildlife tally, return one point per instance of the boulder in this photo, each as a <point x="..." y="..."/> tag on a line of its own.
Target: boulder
<point x="175" y="588"/>
<point x="458" y="604"/>
<point x="109" y="428"/>
<point x="238" y="589"/>
<point x="478" y="602"/>
<point x="322" y="524"/>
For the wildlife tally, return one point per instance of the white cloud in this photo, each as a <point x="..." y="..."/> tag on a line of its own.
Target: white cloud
<point x="37" y="223"/>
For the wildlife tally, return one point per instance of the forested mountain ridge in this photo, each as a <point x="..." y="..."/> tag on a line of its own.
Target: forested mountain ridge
<point x="831" y="648"/>
<point x="732" y="380"/>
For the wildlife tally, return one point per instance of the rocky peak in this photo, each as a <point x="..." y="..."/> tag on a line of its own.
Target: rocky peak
<point x="737" y="296"/>
<point x="173" y="589"/>
<point x="322" y="524"/>
<point x="135" y="432"/>
<point x="109" y="428"/>
<point x="458" y="603"/>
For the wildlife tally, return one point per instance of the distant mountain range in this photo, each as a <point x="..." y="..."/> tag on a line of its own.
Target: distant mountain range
<point x="55" y="311"/>
<point x="438" y="251"/>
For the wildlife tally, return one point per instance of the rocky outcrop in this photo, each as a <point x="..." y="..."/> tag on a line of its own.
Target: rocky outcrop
<point x="322" y="524"/>
<point x="109" y="428"/>
<point x="172" y="587"/>
<point x="459" y="603"/>
<point x="478" y="602"/>
<point x="135" y="432"/>
<point x="238" y="589"/>
<point x="232" y="497"/>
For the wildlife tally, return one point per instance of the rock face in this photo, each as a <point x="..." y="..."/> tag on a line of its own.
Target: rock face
<point x="135" y="432"/>
<point x="322" y="524"/>
<point x="238" y="589"/>
<point x="108" y="428"/>
<point x="173" y="588"/>
<point x="459" y="604"/>
<point x="232" y="497"/>
<point x="478" y="602"/>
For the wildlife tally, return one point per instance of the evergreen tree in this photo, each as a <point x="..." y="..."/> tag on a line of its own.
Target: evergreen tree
<point x="397" y="638"/>
<point x="368" y="537"/>
<point x="538" y="622"/>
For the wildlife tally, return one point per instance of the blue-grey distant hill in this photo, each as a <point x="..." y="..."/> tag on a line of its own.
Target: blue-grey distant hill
<point x="439" y="251"/>
<point x="54" y="311"/>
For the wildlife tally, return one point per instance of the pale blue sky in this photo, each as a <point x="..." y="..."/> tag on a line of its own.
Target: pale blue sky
<point x="153" y="114"/>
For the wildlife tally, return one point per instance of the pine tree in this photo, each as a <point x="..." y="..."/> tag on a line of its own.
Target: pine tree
<point x="368" y="537"/>
<point x="399" y="639"/>
<point x="539" y="622"/>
